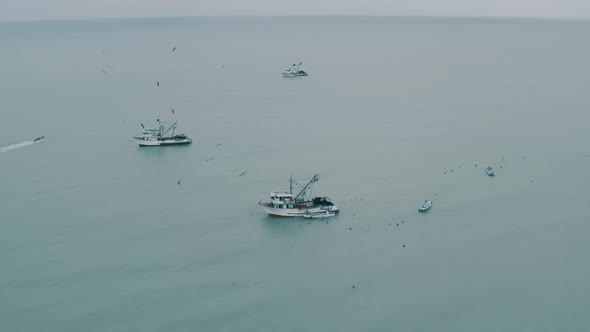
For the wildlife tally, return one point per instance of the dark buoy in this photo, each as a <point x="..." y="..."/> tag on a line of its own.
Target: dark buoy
<point x="233" y="283"/>
<point x="350" y="228"/>
<point x="404" y="246"/>
<point x="353" y="286"/>
<point x="397" y="224"/>
<point x="475" y="165"/>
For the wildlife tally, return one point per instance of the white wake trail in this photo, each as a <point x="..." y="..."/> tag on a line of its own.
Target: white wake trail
<point x="17" y="146"/>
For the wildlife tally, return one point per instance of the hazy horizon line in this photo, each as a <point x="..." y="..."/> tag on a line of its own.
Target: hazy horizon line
<point x="478" y="17"/>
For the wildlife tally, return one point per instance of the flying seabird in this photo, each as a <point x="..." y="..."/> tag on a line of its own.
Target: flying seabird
<point x="142" y="125"/>
<point x="172" y="110"/>
<point x="179" y="182"/>
<point x="244" y="172"/>
<point x="218" y="145"/>
<point x="157" y="83"/>
<point x="174" y="49"/>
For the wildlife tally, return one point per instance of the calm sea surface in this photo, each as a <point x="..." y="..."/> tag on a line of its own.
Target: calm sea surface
<point x="96" y="234"/>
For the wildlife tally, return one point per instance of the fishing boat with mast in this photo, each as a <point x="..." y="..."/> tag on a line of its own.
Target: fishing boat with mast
<point x="163" y="135"/>
<point x="286" y="204"/>
<point x="294" y="71"/>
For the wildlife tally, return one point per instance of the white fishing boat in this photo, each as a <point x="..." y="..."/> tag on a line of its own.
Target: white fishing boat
<point x="294" y="71"/>
<point x="286" y="204"/>
<point x="163" y="135"/>
<point x="425" y="206"/>
<point x="490" y="171"/>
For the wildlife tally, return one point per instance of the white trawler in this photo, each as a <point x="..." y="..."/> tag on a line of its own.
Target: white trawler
<point x="163" y="135"/>
<point x="285" y="204"/>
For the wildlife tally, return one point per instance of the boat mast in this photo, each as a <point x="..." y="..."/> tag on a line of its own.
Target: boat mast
<point x="315" y="178"/>
<point x="173" y="126"/>
<point x="291" y="184"/>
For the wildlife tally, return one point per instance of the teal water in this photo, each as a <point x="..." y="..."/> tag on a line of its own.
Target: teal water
<point x="96" y="235"/>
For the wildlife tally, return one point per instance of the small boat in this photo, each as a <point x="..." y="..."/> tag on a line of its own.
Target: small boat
<point x="294" y="71"/>
<point x="425" y="206"/>
<point x="490" y="171"/>
<point x="286" y="204"/>
<point x="320" y="214"/>
<point x="40" y="138"/>
<point x="161" y="136"/>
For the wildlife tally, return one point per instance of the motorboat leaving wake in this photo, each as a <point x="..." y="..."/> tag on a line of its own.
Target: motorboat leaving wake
<point x="21" y="144"/>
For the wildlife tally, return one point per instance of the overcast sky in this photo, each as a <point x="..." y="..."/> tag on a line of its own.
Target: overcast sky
<point x="25" y="10"/>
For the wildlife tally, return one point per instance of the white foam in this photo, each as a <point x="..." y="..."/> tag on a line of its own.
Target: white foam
<point x="17" y="145"/>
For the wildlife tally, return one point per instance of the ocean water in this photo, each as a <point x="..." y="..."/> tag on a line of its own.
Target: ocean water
<point x="96" y="234"/>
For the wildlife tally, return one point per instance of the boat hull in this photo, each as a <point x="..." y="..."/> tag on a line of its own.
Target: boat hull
<point x="292" y="213"/>
<point x="320" y="215"/>
<point x="143" y="142"/>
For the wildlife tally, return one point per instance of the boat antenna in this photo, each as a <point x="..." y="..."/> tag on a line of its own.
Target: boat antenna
<point x="291" y="184"/>
<point x="315" y="178"/>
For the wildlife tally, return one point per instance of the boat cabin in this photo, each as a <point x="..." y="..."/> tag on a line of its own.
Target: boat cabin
<point x="282" y="200"/>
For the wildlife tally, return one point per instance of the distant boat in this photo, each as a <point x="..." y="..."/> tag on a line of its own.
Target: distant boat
<point x="294" y="71"/>
<point x="320" y="214"/>
<point x="162" y="136"/>
<point x="40" y="138"/>
<point x="490" y="171"/>
<point x="285" y="204"/>
<point x="425" y="206"/>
